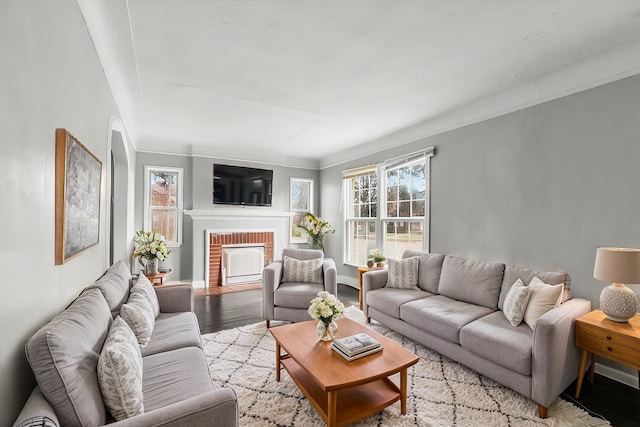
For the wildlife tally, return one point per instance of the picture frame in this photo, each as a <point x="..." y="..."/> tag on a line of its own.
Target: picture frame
<point x="77" y="200"/>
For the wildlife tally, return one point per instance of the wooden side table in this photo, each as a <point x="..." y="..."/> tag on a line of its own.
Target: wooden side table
<point x="615" y="341"/>
<point x="160" y="276"/>
<point x="361" y="271"/>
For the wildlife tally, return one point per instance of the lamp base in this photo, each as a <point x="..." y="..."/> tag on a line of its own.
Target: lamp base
<point x="618" y="302"/>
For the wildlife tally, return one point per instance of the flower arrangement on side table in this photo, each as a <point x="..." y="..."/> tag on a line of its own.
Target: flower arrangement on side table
<point x="326" y="308"/>
<point x="316" y="228"/>
<point x="151" y="247"/>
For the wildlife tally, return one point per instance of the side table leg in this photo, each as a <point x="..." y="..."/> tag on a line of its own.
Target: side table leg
<point x="583" y="364"/>
<point x="403" y="391"/>
<point x="332" y="403"/>
<point x="277" y="361"/>
<point x="592" y="368"/>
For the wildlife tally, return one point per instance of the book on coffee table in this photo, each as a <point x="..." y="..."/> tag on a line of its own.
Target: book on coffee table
<point x="356" y="344"/>
<point x="357" y="355"/>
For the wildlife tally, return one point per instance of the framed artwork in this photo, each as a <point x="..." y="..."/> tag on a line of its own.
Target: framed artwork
<point x="300" y="202"/>
<point x="78" y="183"/>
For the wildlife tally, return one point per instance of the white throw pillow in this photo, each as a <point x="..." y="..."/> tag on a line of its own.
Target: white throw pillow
<point x="543" y="298"/>
<point x="403" y="274"/>
<point x="515" y="303"/>
<point x="144" y="287"/>
<point x="120" y="372"/>
<point x="305" y="271"/>
<point x="138" y="314"/>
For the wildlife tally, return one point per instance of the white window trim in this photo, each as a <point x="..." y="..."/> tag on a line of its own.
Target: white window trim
<point x="382" y="217"/>
<point x="311" y="182"/>
<point x="179" y="203"/>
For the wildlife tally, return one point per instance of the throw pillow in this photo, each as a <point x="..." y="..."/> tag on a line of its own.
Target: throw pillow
<point x="305" y="271"/>
<point x="543" y="298"/>
<point x="403" y="274"/>
<point x="515" y="303"/>
<point x="120" y="372"/>
<point x="138" y="314"/>
<point x="144" y="287"/>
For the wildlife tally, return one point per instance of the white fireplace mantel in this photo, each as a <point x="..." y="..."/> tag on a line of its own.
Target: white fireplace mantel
<point x="234" y="213"/>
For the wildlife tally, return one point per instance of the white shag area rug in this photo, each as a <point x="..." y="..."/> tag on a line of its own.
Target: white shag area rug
<point x="441" y="392"/>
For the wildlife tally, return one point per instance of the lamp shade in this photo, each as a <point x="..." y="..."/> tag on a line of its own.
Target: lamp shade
<point x="617" y="265"/>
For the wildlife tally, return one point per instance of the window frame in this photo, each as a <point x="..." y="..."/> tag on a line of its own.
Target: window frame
<point x="292" y="211"/>
<point x="382" y="219"/>
<point x="147" y="226"/>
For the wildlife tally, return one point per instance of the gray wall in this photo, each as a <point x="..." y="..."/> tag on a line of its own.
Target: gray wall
<point x="542" y="187"/>
<point x="187" y="261"/>
<point x="51" y="77"/>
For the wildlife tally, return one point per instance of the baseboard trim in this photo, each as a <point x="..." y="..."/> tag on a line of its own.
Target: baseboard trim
<point x="198" y="284"/>
<point x="617" y="375"/>
<point x="349" y="281"/>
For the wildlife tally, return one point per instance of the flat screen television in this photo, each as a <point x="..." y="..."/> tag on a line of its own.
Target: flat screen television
<point x="238" y="185"/>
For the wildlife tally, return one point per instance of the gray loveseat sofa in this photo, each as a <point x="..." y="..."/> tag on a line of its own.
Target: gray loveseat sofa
<point x="176" y="383"/>
<point x="457" y="311"/>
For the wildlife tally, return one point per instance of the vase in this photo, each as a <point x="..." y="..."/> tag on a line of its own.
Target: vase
<point x="316" y="243"/>
<point x="370" y="263"/>
<point x="152" y="266"/>
<point x="327" y="331"/>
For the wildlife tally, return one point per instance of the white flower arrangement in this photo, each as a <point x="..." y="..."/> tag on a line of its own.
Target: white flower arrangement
<point x="326" y="307"/>
<point x="150" y="245"/>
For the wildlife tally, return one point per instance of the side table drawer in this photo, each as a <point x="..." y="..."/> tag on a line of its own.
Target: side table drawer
<point x="608" y="336"/>
<point x="610" y="350"/>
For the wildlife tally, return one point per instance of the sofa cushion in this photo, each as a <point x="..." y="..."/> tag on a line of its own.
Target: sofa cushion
<point x="174" y="330"/>
<point x="515" y="304"/>
<point x="442" y="316"/>
<point x="403" y="274"/>
<point x="114" y="286"/>
<point x="543" y="298"/>
<point x="63" y="355"/>
<point x="513" y="273"/>
<point x="389" y="300"/>
<point x="303" y="271"/>
<point x="138" y="314"/>
<point x="475" y="282"/>
<point x="144" y="287"/>
<point x="120" y="372"/>
<point x="296" y="295"/>
<point x="302" y="253"/>
<point x="429" y="269"/>
<point x="174" y="376"/>
<point x="494" y="339"/>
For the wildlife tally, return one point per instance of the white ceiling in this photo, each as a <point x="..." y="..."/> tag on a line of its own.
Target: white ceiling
<point x="297" y="81"/>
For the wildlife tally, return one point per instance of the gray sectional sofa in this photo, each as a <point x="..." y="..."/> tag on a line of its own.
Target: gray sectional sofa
<point x="456" y="310"/>
<point x="176" y="383"/>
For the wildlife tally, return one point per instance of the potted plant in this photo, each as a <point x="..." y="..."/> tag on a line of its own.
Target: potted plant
<point x="378" y="258"/>
<point x="151" y="247"/>
<point x="370" y="261"/>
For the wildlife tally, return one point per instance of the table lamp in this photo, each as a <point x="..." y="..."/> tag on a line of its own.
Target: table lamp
<point x="618" y="266"/>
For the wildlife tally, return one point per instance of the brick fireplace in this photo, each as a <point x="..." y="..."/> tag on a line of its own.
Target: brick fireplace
<point x="217" y="239"/>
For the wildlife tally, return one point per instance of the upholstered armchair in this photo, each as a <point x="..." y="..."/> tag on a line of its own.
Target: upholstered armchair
<point x="289" y="285"/>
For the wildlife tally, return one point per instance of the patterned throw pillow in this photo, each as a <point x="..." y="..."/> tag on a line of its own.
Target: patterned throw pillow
<point x="144" y="287"/>
<point x="403" y="274"/>
<point x="515" y="303"/>
<point x="305" y="271"/>
<point x="543" y="298"/>
<point x="138" y="314"/>
<point x="120" y="372"/>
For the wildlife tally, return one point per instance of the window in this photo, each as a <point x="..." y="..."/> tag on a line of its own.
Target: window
<point x="163" y="202"/>
<point x="387" y="208"/>
<point x="300" y="202"/>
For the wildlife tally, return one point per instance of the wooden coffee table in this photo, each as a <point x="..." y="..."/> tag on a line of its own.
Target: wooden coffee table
<point x="341" y="391"/>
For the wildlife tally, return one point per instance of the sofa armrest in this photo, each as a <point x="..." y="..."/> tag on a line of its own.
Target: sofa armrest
<point x="555" y="356"/>
<point x="371" y="280"/>
<point x="37" y="408"/>
<point x="271" y="277"/>
<point x="175" y="298"/>
<point x="330" y="275"/>
<point x="218" y="407"/>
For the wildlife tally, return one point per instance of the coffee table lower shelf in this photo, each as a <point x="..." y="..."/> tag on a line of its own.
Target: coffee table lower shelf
<point x="352" y="404"/>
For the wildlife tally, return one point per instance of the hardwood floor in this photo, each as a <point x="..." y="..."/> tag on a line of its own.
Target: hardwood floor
<point x="617" y="402"/>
